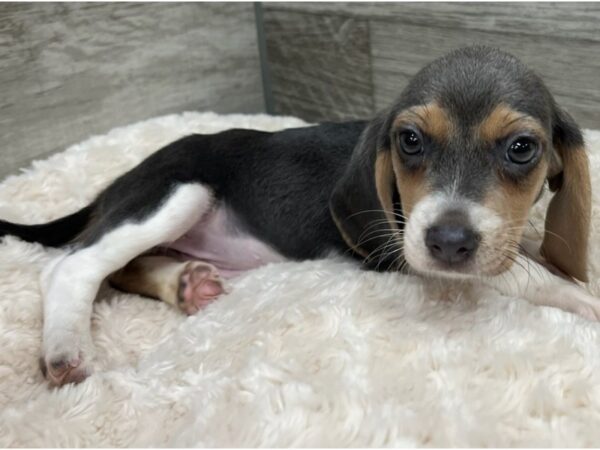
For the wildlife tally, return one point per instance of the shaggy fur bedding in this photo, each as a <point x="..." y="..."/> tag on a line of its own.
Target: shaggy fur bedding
<point x="316" y="353"/>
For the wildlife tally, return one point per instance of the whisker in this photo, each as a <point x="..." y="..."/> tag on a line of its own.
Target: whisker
<point x="384" y="254"/>
<point x="384" y="211"/>
<point x="384" y="235"/>
<point x="378" y="253"/>
<point x="369" y="257"/>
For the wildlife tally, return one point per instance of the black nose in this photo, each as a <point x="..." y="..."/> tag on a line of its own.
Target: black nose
<point x="451" y="244"/>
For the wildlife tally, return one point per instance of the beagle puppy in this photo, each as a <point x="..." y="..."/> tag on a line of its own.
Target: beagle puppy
<point x="439" y="184"/>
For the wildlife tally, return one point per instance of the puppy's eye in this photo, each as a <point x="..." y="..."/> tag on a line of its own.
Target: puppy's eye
<point x="522" y="150"/>
<point x="410" y="142"/>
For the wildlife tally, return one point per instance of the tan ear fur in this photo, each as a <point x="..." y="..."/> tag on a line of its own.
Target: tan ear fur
<point x="565" y="243"/>
<point x="361" y="204"/>
<point x="385" y="185"/>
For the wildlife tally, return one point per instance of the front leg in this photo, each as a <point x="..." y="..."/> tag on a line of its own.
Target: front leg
<point x="533" y="281"/>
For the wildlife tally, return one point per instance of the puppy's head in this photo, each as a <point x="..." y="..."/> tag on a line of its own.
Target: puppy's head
<point x="445" y="178"/>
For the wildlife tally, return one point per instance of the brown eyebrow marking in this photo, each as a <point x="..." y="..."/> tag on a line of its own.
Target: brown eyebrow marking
<point x="430" y="118"/>
<point x="504" y="121"/>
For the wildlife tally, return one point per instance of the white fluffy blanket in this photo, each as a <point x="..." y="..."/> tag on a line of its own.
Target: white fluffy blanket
<point x="316" y="353"/>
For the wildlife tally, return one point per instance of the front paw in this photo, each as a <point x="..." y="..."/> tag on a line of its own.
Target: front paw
<point x="589" y="311"/>
<point x="572" y="298"/>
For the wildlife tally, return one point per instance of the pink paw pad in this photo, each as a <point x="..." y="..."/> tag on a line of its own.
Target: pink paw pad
<point x="61" y="371"/>
<point x="199" y="285"/>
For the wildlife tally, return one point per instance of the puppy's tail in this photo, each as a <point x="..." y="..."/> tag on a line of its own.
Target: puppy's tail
<point x="52" y="234"/>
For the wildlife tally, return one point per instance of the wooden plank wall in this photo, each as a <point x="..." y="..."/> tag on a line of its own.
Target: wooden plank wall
<point x="381" y="45"/>
<point x="70" y="70"/>
<point x="319" y="65"/>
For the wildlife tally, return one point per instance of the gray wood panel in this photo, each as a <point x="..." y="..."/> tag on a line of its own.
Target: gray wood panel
<point x="568" y="66"/>
<point x="319" y="66"/>
<point x="559" y="40"/>
<point x="70" y="70"/>
<point x="568" y="19"/>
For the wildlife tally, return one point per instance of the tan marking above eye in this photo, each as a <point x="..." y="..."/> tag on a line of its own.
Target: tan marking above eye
<point x="431" y="119"/>
<point x="504" y="121"/>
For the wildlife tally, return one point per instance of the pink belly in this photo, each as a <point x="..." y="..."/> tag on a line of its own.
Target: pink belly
<point x="217" y="239"/>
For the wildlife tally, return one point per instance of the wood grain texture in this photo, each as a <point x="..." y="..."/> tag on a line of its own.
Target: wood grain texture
<point x="70" y="70"/>
<point x="319" y="66"/>
<point x="568" y="19"/>
<point x="566" y="65"/>
<point x="561" y="41"/>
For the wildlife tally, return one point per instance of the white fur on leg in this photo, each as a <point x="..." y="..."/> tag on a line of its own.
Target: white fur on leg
<point x="532" y="281"/>
<point x="70" y="285"/>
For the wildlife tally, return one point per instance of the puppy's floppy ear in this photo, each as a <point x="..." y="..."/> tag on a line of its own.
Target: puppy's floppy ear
<point x="568" y="217"/>
<point x="362" y="202"/>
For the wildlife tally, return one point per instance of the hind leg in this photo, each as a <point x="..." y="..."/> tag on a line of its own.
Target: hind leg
<point x="70" y="285"/>
<point x="187" y="285"/>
